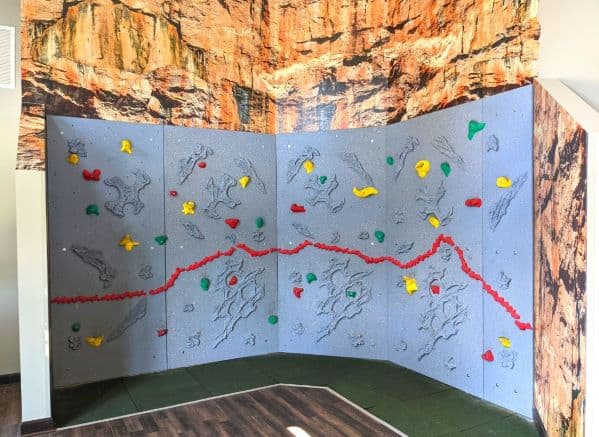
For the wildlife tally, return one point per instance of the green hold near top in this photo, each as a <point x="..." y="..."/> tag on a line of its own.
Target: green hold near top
<point x="310" y="277"/>
<point x="446" y="168"/>
<point x="474" y="127"/>
<point x="351" y="293"/>
<point x="161" y="239"/>
<point x="92" y="209"/>
<point x="259" y="222"/>
<point x="75" y="327"/>
<point x="205" y="284"/>
<point x="272" y="319"/>
<point x="390" y="160"/>
<point x="380" y="236"/>
<point x="322" y="179"/>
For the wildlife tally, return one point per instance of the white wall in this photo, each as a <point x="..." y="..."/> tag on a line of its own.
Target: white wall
<point x="10" y="101"/>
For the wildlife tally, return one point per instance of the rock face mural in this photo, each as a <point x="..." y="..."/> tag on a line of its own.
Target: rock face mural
<point x="267" y="67"/>
<point x="560" y="150"/>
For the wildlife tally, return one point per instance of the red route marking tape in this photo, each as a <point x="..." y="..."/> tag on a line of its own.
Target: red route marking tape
<point x="441" y="239"/>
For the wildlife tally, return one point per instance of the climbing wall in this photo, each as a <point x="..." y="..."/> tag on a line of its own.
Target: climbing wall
<point x="105" y="209"/>
<point x="221" y="190"/>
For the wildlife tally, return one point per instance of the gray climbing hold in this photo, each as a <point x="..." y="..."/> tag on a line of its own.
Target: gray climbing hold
<point x="303" y="230"/>
<point x="258" y="236"/>
<point x="128" y="194"/>
<point x="504" y="281"/>
<point x="500" y="208"/>
<point x="135" y="314"/>
<point x="444" y="147"/>
<point x="295" y="277"/>
<point x="250" y="340"/>
<point x="335" y="238"/>
<point x="192" y="230"/>
<point x="492" y="144"/>
<point x="187" y="164"/>
<point x="398" y="216"/>
<point x="357" y="340"/>
<point x="194" y="340"/>
<point x="402" y="247"/>
<point x="364" y="235"/>
<point x="77" y="147"/>
<point x="406" y="148"/>
<point x="322" y="193"/>
<point x="353" y="163"/>
<point x="219" y="194"/>
<point x="74" y="342"/>
<point x="231" y="238"/>
<point x="188" y="308"/>
<point x="146" y="272"/>
<point x="95" y="258"/>
<point x="298" y="329"/>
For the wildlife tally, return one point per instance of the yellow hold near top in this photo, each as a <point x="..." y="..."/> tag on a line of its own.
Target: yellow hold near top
<point x="505" y="342"/>
<point x="411" y="285"/>
<point x="188" y="208"/>
<point x="244" y="181"/>
<point x="308" y="166"/>
<point x="127" y="243"/>
<point x="73" y="159"/>
<point x="365" y="192"/>
<point x="126" y="147"/>
<point x="504" y="182"/>
<point x="434" y="221"/>
<point x="422" y="168"/>
<point x="95" y="341"/>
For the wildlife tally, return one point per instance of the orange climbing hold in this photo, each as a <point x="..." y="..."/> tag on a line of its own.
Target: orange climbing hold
<point x="95" y="341"/>
<point x="297" y="291"/>
<point x="488" y="356"/>
<point x="232" y="222"/>
<point x="297" y="208"/>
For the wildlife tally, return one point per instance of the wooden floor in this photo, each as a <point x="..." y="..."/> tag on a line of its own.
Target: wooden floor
<point x="10" y="409"/>
<point x="263" y="412"/>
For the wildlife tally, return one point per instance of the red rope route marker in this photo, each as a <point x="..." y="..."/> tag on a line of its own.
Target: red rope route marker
<point x="441" y="239"/>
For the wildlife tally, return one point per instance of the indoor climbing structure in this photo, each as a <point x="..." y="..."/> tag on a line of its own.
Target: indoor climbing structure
<point x="411" y="242"/>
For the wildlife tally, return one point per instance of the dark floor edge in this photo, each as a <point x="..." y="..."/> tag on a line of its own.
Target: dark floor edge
<point x="38" y="426"/>
<point x="538" y="422"/>
<point x="11" y="378"/>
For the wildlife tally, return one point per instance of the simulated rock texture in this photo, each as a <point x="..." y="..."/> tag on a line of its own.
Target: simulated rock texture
<point x="560" y="150"/>
<point x="275" y="66"/>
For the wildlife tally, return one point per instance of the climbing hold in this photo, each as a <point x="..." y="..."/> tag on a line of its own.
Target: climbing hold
<point x="488" y="356"/>
<point x="297" y="291"/>
<point x="232" y="222"/>
<point x="75" y="327"/>
<point x="351" y="293"/>
<point x="309" y="166"/>
<point x="188" y="208"/>
<point x="365" y="192"/>
<point x="244" y="181"/>
<point x="434" y="221"/>
<point x="297" y="208"/>
<point x="380" y="236"/>
<point x="435" y="289"/>
<point x="91" y="175"/>
<point x="233" y="280"/>
<point x="445" y="168"/>
<point x="504" y="182"/>
<point x="205" y="284"/>
<point x="173" y="193"/>
<point x="422" y="168"/>
<point x="505" y="342"/>
<point x="73" y="159"/>
<point x="272" y="319"/>
<point x="390" y="160"/>
<point x="474" y="202"/>
<point x="202" y="164"/>
<point x="474" y="127"/>
<point x="127" y="243"/>
<point x="95" y="341"/>
<point x="161" y="239"/>
<point x="161" y="332"/>
<point x="259" y="222"/>
<point x="92" y="209"/>
<point x="310" y="277"/>
<point x="411" y="284"/>
<point x="126" y="146"/>
<point x="322" y="179"/>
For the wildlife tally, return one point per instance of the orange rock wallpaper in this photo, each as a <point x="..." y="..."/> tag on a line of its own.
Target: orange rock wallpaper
<point x="266" y="66"/>
<point x="560" y="151"/>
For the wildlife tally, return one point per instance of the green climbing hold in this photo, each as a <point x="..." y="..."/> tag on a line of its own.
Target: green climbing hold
<point x="351" y="293"/>
<point x="75" y="327"/>
<point x="272" y="319"/>
<point x="474" y="127"/>
<point x="310" y="277"/>
<point x="92" y="209"/>
<point x="205" y="284"/>
<point x="161" y="239"/>
<point x="390" y="160"/>
<point x="322" y="179"/>
<point x="446" y="168"/>
<point x="380" y="236"/>
<point x="259" y="222"/>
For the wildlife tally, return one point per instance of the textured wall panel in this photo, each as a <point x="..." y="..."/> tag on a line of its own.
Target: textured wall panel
<point x="227" y="320"/>
<point x="129" y="327"/>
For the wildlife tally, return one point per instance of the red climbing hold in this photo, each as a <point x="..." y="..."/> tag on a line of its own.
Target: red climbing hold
<point x="232" y="222"/>
<point x="202" y="164"/>
<point x="474" y="202"/>
<point x="233" y="280"/>
<point x="488" y="356"/>
<point x="523" y="326"/>
<point x="91" y="175"/>
<point x="435" y="289"/>
<point x="297" y="291"/>
<point x="173" y="193"/>
<point x="161" y="332"/>
<point x="297" y="208"/>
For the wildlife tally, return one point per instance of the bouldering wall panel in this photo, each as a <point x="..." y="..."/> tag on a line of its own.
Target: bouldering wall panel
<point x="221" y="191"/>
<point x="105" y="209"/>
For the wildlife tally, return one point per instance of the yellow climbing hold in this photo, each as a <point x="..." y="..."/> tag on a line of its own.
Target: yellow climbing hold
<point x="126" y="147"/>
<point x="95" y="341"/>
<point x="127" y="243"/>
<point x="365" y="192"/>
<point x="73" y="159"/>
<point x="505" y="342"/>
<point x="422" y="168"/>
<point x="411" y="284"/>
<point x="244" y="181"/>
<point x="188" y="208"/>
<point x="504" y="182"/>
<point x="308" y="166"/>
<point x="434" y="221"/>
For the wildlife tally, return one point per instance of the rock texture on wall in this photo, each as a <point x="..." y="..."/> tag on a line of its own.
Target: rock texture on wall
<point x="266" y="66"/>
<point x="560" y="151"/>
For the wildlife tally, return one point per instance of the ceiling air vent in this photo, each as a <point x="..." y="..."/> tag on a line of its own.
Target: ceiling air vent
<point x="7" y="57"/>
